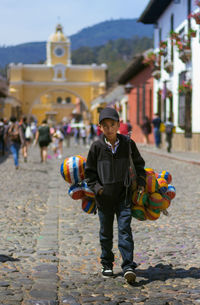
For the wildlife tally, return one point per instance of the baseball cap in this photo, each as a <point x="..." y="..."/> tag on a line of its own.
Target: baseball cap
<point x="108" y="113"/>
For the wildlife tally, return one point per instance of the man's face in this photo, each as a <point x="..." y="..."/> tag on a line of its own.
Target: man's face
<point x="109" y="127"/>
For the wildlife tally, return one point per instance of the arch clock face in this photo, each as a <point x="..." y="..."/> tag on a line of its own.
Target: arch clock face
<point x="59" y="51"/>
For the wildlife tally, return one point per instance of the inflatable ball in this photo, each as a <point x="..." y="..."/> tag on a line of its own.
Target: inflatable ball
<point x="151" y="184"/>
<point x="88" y="206"/>
<point x="152" y="214"/>
<point x="72" y="169"/>
<point x="166" y="175"/>
<point x="76" y="192"/>
<point x="139" y="213"/>
<point x="155" y="201"/>
<point x="170" y="192"/>
<point x="162" y="185"/>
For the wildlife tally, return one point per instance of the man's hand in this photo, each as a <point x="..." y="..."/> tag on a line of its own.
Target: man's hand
<point x="140" y="189"/>
<point x="100" y="191"/>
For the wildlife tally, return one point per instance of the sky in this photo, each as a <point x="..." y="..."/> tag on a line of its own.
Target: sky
<point x="24" y="21"/>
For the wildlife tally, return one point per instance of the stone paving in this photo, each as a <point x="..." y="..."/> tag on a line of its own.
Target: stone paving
<point x="49" y="248"/>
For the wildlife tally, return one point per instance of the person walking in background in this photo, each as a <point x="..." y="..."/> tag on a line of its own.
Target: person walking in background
<point x="156" y="129"/>
<point x="146" y="129"/>
<point x="43" y="137"/>
<point x="106" y="168"/>
<point x="129" y="128"/>
<point x="2" y="134"/>
<point x="92" y="133"/>
<point x="123" y="128"/>
<point x="23" y="125"/>
<point x="16" y="139"/>
<point x="77" y="136"/>
<point x="83" y="135"/>
<point x="169" y="133"/>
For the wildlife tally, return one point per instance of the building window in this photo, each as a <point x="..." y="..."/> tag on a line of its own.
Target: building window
<point x="185" y="109"/>
<point x="68" y="100"/>
<point x="59" y="100"/>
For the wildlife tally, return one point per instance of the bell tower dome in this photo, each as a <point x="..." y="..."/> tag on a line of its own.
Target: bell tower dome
<point x="58" y="48"/>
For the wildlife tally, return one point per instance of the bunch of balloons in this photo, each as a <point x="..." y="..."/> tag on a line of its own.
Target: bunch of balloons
<point x="156" y="197"/>
<point x="73" y="171"/>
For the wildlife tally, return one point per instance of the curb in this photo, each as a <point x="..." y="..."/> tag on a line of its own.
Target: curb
<point x="171" y="157"/>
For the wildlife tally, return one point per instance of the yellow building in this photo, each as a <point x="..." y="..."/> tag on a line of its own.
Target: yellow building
<point x="57" y="88"/>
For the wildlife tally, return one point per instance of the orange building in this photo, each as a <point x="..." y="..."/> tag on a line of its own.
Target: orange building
<point x="138" y="80"/>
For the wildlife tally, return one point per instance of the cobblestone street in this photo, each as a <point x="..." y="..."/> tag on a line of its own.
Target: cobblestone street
<point x="49" y="247"/>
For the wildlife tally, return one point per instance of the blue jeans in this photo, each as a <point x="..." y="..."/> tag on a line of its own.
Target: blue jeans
<point x="14" y="148"/>
<point x="125" y="238"/>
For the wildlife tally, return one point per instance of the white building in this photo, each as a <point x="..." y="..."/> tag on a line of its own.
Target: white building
<point x="177" y="76"/>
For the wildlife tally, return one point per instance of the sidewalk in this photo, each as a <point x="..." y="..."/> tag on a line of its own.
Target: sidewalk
<point x="183" y="156"/>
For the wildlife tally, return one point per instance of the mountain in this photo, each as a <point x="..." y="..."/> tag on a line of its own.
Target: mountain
<point x="93" y="36"/>
<point x="102" y="32"/>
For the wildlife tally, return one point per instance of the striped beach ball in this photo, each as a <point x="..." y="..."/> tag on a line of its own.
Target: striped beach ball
<point x="150" y="171"/>
<point x="72" y="169"/>
<point x="87" y="191"/>
<point x="143" y="199"/>
<point x="151" y="184"/>
<point x="165" y="203"/>
<point x="155" y="201"/>
<point x="162" y="185"/>
<point x="166" y="175"/>
<point x="170" y="192"/>
<point x="138" y="212"/>
<point x="152" y="214"/>
<point x="76" y="192"/>
<point x="88" y="205"/>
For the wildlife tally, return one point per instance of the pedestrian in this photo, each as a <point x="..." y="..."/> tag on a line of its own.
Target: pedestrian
<point x="57" y="142"/>
<point x="156" y="129"/>
<point x="2" y="133"/>
<point x="146" y="129"/>
<point x="77" y="135"/>
<point x="83" y="135"/>
<point x="123" y="128"/>
<point x="43" y="137"/>
<point x="92" y="133"/>
<point x="106" y="168"/>
<point x="129" y="128"/>
<point x="169" y="126"/>
<point x="15" y="138"/>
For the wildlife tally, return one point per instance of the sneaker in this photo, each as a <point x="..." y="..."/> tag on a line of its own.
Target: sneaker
<point x="106" y="271"/>
<point x="130" y="276"/>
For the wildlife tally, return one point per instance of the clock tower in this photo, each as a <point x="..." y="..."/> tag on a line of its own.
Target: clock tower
<point x="58" y="48"/>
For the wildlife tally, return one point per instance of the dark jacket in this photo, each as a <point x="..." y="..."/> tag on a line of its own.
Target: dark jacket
<point x="108" y="171"/>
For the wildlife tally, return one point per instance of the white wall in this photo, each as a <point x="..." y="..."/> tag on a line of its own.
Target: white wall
<point x="180" y="20"/>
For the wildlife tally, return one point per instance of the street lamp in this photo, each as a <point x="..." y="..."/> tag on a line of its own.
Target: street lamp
<point x="128" y="87"/>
